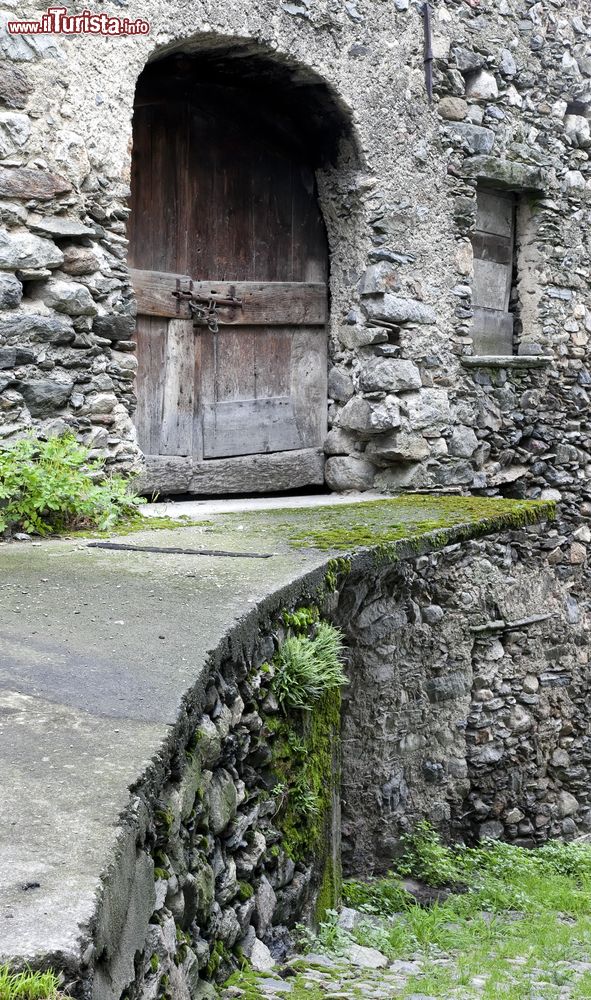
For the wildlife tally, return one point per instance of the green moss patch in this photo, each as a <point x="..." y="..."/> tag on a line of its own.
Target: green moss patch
<point x="384" y="522"/>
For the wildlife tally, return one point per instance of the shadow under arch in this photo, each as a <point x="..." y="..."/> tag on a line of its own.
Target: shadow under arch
<point x="275" y="85"/>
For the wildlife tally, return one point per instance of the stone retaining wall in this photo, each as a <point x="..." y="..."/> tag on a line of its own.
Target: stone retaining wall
<point x="468" y="702"/>
<point x="466" y="706"/>
<point x="211" y="870"/>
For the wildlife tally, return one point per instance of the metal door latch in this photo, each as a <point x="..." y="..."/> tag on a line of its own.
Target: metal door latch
<point x="204" y="308"/>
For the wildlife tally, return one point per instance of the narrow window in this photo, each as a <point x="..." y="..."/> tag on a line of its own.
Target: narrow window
<point x="494" y="247"/>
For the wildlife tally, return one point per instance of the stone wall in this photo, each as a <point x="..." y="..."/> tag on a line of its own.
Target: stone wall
<point x="209" y="869"/>
<point x="468" y="702"/>
<point x="512" y="98"/>
<point x="466" y="705"/>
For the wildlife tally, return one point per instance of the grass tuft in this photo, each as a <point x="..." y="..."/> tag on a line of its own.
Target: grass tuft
<point x="307" y="667"/>
<point x="28" y="985"/>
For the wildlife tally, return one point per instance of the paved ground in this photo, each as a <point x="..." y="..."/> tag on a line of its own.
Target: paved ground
<point x="98" y="648"/>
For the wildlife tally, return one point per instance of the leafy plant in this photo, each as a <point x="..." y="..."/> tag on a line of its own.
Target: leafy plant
<point x="53" y="485"/>
<point x="384" y="896"/>
<point x="28" y="985"/>
<point x="427" y="858"/>
<point x="307" y="667"/>
<point x="520" y="930"/>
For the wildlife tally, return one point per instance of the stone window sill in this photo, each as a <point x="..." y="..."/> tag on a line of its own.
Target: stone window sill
<point x="507" y="361"/>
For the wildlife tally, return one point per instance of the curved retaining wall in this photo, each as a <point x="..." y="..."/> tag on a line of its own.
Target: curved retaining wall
<point x="240" y="841"/>
<point x="468" y="671"/>
<point x="465" y="706"/>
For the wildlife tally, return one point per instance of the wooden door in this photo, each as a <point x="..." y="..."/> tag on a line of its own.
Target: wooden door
<point x="224" y="208"/>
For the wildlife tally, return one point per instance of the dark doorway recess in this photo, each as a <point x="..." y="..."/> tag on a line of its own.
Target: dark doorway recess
<point x="229" y="262"/>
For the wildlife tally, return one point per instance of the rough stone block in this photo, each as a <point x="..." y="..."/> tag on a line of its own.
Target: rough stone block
<point x="340" y="385"/>
<point x="339" y="442"/>
<point x="260" y="957"/>
<point x="378" y="278"/>
<point x="15" y="130"/>
<point x="505" y="173"/>
<point x="397" y="447"/>
<point x="428" y="408"/>
<point x="114" y="326"/>
<point x="222" y="801"/>
<point x="67" y="297"/>
<point x="387" y="375"/>
<point x="466" y="59"/>
<point x="477" y="139"/>
<point x="463" y="442"/>
<point x="22" y="250"/>
<point x="58" y="227"/>
<point x="393" y="309"/>
<point x="361" y="336"/>
<point x="369" y="417"/>
<point x="11" y="291"/>
<point x="349" y="473"/>
<point x="453" y="109"/>
<point x="408" y="476"/>
<point x="23" y="182"/>
<point x="10" y="357"/>
<point x="482" y="86"/>
<point x="14" y="86"/>
<point x="44" y="396"/>
<point x="79" y="260"/>
<point x="266" y="901"/>
<point x="35" y="327"/>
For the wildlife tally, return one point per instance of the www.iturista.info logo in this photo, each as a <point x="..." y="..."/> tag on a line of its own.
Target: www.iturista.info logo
<point x="57" y="21"/>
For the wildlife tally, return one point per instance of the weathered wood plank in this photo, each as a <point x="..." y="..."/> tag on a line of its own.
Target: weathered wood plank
<point x="176" y="432"/>
<point x="492" y="332"/>
<point x="249" y="426"/>
<point x="151" y="349"/>
<point x="272" y="303"/>
<point x="245" y="474"/>
<point x="487" y="246"/>
<point x="495" y="211"/>
<point x="492" y="284"/>
<point x="308" y="375"/>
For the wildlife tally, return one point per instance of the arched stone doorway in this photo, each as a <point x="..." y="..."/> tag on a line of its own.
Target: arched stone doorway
<point x="230" y="263"/>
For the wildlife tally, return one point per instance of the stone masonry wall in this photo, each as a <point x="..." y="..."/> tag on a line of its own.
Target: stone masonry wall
<point x="468" y="701"/>
<point x="466" y="705"/>
<point x="512" y="100"/>
<point x="206" y="875"/>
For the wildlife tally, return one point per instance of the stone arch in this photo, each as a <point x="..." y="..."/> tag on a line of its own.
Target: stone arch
<point x="307" y="106"/>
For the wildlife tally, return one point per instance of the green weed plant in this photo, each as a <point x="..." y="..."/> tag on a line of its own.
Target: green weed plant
<point x="518" y="921"/>
<point x="306" y="667"/>
<point x="54" y="486"/>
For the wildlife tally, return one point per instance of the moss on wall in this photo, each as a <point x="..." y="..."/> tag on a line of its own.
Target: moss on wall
<point x="380" y="523"/>
<point x="305" y="746"/>
<point x="415" y="521"/>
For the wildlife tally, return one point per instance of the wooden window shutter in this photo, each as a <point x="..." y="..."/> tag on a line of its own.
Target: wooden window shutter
<point x="493" y="244"/>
